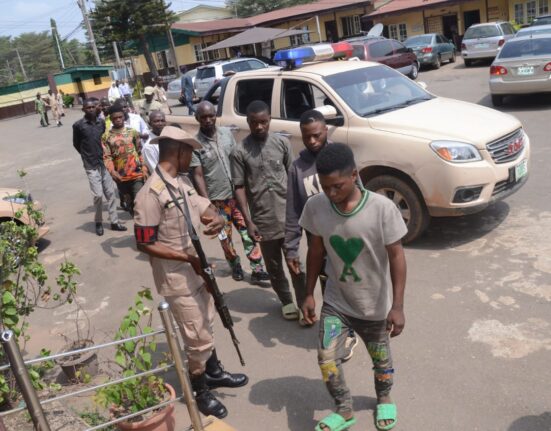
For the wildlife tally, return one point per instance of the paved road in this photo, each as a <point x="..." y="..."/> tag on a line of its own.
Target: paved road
<point x="477" y="347"/>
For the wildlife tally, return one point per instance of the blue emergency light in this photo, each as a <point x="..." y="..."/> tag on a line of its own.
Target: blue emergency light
<point x="295" y="57"/>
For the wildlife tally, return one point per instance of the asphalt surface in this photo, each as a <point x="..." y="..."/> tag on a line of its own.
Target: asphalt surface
<point x="476" y="350"/>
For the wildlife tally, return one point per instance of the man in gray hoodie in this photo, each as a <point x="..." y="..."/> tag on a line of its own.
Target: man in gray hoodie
<point x="303" y="182"/>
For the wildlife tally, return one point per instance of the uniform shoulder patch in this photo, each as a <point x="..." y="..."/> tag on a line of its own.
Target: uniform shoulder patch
<point x="158" y="186"/>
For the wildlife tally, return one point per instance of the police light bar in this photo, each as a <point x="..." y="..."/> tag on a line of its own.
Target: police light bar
<point x="294" y="57"/>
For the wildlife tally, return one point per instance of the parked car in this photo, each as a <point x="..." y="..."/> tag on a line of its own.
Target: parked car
<point x="207" y="75"/>
<point x="12" y="207"/>
<point x="522" y="67"/>
<point x="483" y="41"/>
<point x="541" y="20"/>
<point x="175" y="87"/>
<point x="387" y="51"/>
<point x="538" y="29"/>
<point x="431" y="49"/>
<point x="433" y="156"/>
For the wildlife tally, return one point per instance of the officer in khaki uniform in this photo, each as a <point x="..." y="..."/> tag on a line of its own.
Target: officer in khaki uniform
<point x="161" y="232"/>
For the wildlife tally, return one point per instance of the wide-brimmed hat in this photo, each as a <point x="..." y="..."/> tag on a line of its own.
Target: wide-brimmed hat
<point x="148" y="91"/>
<point x="177" y="134"/>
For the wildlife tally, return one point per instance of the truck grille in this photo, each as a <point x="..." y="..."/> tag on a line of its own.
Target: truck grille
<point x="507" y="148"/>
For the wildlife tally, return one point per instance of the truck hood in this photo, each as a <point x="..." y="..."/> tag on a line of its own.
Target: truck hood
<point x="448" y="119"/>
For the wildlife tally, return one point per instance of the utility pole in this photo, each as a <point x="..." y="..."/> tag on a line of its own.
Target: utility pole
<point x="117" y="56"/>
<point x="173" y="52"/>
<point x="82" y="6"/>
<point x="21" y="64"/>
<point x="9" y="71"/>
<point x="56" y="38"/>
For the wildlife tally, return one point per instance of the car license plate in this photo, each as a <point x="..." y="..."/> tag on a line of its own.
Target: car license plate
<point x="525" y="70"/>
<point x="482" y="45"/>
<point x="521" y="170"/>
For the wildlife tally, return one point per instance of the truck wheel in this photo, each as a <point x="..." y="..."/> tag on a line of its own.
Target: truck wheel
<point x="407" y="200"/>
<point x="468" y="63"/>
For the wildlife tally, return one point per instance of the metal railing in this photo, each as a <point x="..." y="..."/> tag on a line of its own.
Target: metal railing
<point x="34" y="405"/>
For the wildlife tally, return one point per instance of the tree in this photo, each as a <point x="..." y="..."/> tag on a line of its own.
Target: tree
<point x="125" y="21"/>
<point x="246" y="8"/>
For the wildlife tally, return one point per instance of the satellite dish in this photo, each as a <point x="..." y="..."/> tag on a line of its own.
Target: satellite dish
<point x="376" y="31"/>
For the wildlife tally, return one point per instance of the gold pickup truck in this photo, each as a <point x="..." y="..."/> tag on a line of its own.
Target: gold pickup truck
<point x="431" y="155"/>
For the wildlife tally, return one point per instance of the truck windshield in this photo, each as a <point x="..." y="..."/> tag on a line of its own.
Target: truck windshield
<point x="375" y="90"/>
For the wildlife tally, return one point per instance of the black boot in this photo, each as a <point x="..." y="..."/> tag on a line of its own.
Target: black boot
<point x="217" y="377"/>
<point x="206" y="401"/>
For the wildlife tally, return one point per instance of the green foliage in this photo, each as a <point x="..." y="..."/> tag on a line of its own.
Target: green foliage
<point x="246" y="8"/>
<point x="134" y="357"/>
<point x="68" y="100"/>
<point x="116" y="21"/>
<point x="95" y="418"/>
<point x="24" y="288"/>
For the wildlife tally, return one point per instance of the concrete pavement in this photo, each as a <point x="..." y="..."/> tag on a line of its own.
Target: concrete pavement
<point x="476" y="350"/>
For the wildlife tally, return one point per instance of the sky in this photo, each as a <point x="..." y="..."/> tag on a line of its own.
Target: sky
<point x="20" y="16"/>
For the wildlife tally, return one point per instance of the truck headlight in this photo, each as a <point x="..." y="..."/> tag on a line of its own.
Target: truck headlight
<point x="456" y="152"/>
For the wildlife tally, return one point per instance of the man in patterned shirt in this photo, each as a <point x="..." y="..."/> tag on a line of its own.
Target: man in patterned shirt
<point x="122" y="157"/>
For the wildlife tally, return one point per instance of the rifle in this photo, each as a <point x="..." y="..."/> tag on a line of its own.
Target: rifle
<point x="208" y="273"/>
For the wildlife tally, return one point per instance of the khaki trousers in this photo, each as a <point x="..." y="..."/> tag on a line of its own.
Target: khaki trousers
<point x="194" y="313"/>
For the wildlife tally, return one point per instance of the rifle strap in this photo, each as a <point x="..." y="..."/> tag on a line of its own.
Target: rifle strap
<point x="185" y="211"/>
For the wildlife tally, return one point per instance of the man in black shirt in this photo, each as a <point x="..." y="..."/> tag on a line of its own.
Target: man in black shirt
<point x="87" y="134"/>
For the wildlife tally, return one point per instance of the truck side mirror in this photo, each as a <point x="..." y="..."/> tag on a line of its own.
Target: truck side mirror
<point x="331" y="116"/>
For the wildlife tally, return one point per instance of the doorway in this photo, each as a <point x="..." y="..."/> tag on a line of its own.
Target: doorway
<point x="449" y="28"/>
<point x="471" y="17"/>
<point x="331" y="32"/>
<point x="80" y="88"/>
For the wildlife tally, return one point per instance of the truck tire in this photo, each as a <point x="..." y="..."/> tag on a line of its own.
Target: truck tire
<point x="468" y="63"/>
<point x="407" y="200"/>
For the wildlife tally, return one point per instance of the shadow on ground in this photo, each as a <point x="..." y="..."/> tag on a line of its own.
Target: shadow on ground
<point x="449" y="232"/>
<point x="270" y="329"/>
<point x="517" y="103"/>
<point x="532" y="423"/>
<point x="300" y="398"/>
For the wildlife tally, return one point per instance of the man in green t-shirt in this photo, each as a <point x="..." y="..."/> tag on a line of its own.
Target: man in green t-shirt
<point x="40" y="109"/>
<point x="361" y="234"/>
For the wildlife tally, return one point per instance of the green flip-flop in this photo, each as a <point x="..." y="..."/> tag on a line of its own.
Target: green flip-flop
<point x="335" y="422"/>
<point x="386" y="412"/>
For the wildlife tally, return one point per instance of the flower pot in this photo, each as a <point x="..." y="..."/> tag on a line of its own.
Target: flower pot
<point x="76" y="366"/>
<point x="163" y="420"/>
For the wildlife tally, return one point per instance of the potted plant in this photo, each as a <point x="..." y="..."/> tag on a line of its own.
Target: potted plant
<point x="134" y="357"/>
<point x="24" y="287"/>
<point x="79" y="367"/>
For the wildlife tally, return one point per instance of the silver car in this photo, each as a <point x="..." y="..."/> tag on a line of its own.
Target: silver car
<point x="537" y="29"/>
<point x="522" y="67"/>
<point x="483" y="41"/>
<point x="209" y="74"/>
<point x="174" y="88"/>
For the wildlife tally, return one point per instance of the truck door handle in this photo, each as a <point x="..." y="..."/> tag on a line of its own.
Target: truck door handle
<point x="234" y="128"/>
<point x="284" y="133"/>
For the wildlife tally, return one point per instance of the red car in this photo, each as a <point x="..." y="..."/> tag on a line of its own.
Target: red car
<point x="387" y="51"/>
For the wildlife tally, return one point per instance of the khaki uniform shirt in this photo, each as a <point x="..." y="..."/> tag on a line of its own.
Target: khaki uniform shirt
<point x="154" y="208"/>
<point x="146" y="109"/>
<point x="262" y="169"/>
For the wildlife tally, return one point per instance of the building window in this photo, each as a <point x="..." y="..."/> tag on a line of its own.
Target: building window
<point x="531" y="7"/>
<point x="97" y="78"/>
<point x="300" y="39"/>
<point x="544" y="8"/>
<point x="519" y="13"/>
<point x="198" y="50"/>
<point x="398" y="32"/>
<point x="351" y="25"/>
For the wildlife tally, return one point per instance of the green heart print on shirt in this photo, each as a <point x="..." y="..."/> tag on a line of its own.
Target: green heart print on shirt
<point x="348" y="250"/>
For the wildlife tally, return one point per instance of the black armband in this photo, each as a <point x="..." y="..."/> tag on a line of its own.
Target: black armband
<point x="146" y="234"/>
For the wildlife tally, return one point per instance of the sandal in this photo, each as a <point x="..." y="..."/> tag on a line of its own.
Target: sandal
<point x="334" y="422"/>
<point x="386" y="412"/>
<point x="289" y="311"/>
